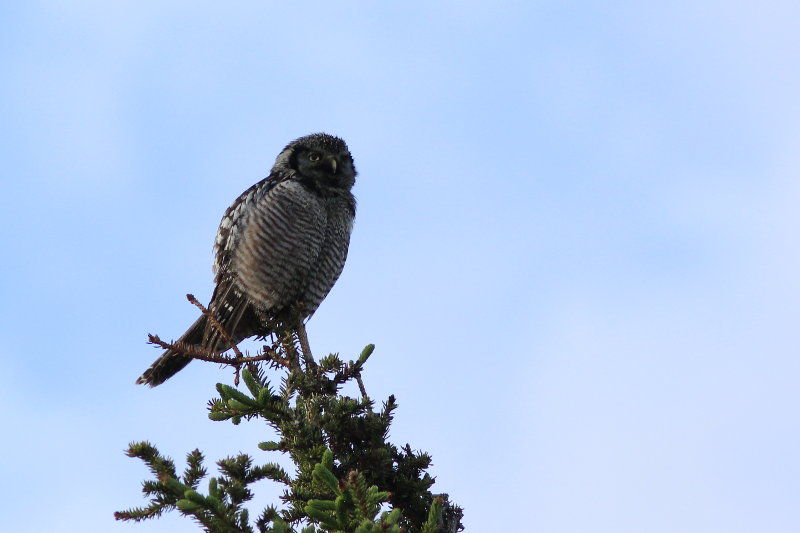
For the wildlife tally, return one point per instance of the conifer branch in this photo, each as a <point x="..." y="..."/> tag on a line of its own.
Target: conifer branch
<point x="345" y="469"/>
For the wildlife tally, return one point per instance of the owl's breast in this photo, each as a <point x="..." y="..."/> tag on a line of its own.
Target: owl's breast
<point x="281" y="240"/>
<point x="333" y="253"/>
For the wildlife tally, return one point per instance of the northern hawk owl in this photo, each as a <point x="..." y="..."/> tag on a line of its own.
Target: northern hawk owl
<point x="280" y="247"/>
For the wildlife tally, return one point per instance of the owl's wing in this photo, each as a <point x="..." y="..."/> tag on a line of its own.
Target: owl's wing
<point x="230" y="226"/>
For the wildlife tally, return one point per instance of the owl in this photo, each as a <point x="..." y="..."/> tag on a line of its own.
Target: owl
<point x="279" y="249"/>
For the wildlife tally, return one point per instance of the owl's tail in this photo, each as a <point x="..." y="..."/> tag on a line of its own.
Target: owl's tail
<point x="172" y="362"/>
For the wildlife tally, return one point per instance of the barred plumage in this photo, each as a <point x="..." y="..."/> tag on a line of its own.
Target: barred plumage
<point x="280" y="247"/>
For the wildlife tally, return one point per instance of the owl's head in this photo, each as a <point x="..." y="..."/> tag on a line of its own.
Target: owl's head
<point x="321" y="159"/>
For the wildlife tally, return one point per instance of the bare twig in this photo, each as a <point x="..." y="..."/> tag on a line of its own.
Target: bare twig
<point x="215" y="324"/>
<point x="363" y="390"/>
<point x="197" y="352"/>
<point x="284" y="342"/>
<point x="302" y="336"/>
<point x="275" y="349"/>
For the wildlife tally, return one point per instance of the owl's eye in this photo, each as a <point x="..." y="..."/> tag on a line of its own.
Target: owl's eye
<point x="313" y="157"/>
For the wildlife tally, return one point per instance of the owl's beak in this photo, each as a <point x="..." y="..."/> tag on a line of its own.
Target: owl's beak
<point x="333" y="164"/>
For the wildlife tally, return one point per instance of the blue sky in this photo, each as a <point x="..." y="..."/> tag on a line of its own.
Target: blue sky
<point x="576" y="246"/>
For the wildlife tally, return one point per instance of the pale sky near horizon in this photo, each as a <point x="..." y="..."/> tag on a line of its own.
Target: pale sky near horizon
<point x="576" y="246"/>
